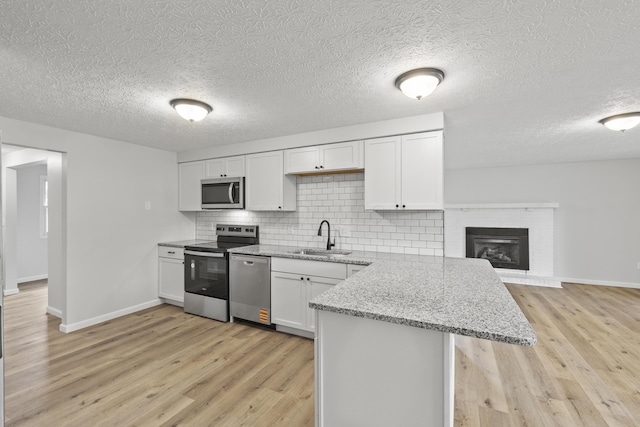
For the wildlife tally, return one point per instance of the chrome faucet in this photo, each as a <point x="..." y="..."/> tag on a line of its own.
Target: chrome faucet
<point x="329" y="244"/>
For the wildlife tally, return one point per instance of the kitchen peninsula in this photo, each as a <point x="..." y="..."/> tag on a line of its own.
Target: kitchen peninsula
<point x="385" y="336"/>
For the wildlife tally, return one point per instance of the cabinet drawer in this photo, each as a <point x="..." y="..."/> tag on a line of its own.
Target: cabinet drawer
<point x="335" y="270"/>
<point x="170" y="252"/>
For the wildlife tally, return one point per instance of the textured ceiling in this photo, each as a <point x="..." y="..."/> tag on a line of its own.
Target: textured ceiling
<point x="526" y="81"/>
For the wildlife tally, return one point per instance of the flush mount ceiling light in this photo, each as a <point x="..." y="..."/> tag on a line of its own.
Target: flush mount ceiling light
<point x="420" y="82"/>
<point x="190" y="109"/>
<point x="622" y="122"/>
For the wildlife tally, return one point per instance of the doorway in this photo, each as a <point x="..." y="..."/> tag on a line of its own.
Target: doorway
<point x="32" y="207"/>
<point x="31" y="223"/>
<point x="51" y="193"/>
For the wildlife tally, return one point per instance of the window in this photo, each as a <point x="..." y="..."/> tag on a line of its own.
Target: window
<point x="44" y="207"/>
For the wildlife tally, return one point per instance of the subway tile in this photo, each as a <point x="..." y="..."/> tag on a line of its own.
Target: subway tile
<point x="339" y="199"/>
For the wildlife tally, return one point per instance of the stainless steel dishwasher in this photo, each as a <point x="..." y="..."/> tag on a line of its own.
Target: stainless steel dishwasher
<point x="250" y="288"/>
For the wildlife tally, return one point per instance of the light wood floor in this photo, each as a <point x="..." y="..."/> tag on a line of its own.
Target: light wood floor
<point x="161" y="367"/>
<point x="584" y="370"/>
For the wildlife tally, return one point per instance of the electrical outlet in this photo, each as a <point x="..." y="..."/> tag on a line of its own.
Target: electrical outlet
<point x="638" y="265"/>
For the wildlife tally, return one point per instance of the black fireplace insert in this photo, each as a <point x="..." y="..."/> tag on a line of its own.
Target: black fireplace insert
<point x="503" y="247"/>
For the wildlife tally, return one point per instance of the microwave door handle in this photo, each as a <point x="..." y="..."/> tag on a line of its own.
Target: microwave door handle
<point x="231" y="193"/>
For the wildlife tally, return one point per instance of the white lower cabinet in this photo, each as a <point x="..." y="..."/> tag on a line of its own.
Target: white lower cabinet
<point x="171" y="274"/>
<point x="288" y="292"/>
<point x="294" y="283"/>
<point x="316" y="286"/>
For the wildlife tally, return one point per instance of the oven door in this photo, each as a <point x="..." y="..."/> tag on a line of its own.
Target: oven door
<point x="205" y="273"/>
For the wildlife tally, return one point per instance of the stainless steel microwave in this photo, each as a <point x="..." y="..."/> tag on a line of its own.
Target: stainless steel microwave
<point x="223" y="193"/>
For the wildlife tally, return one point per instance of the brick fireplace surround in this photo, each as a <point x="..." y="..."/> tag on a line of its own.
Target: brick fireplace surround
<point x="537" y="217"/>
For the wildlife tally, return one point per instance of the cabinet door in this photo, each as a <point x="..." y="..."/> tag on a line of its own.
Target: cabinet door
<point x="215" y="168"/>
<point x="347" y="155"/>
<point x="422" y="171"/>
<point x="264" y="181"/>
<point x="316" y="286"/>
<point x="288" y="295"/>
<point x="171" y="279"/>
<point x="382" y="173"/>
<point x="266" y="186"/>
<point x="301" y="160"/>
<point x="189" y="187"/>
<point x="235" y="166"/>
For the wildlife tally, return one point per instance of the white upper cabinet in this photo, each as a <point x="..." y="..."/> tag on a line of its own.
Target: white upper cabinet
<point x="346" y="155"/>
<point x="422" y="171"/>
<point x="225" y="167"/>
<point x="266" y="186"/>
<point x="300" y="160"/>
<point x="325" y="158"/>
<point x="382" y="164"/>
<point x="404" y="172"/>
<point x="190" y="176"/>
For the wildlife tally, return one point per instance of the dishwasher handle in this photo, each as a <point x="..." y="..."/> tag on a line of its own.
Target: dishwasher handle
<point x="251" y="260"/>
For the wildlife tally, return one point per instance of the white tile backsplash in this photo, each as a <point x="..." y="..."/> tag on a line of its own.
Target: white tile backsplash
<point x="340" y="200"/>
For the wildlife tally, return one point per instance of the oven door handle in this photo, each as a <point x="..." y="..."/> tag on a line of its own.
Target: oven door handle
<point x="205" y="254"/>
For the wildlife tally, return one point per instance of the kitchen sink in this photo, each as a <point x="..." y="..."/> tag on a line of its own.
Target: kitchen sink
<point x="320" y="253"/>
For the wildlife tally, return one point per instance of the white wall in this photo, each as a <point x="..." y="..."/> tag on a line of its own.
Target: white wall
<point x="597" y="226"/>
<point x="111" y="240"/>
<point x="31" y="248"/>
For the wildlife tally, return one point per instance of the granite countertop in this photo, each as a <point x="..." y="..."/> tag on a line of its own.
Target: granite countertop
<point x="183" y="243"/>
<point x="456" y="295"/>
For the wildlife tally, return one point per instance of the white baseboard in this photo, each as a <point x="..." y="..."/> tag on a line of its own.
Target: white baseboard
<point x="548" y="282"/>
<point x="172" y="302"/>
<point x="32" y="278"/>
<point x="600" y="282"/>
<point x="66" y="328"/>
<point x="519" y="277"/>
<point x="10" y="291"/>
<point x="294" y="331"/>
<point x="54" y="312"/>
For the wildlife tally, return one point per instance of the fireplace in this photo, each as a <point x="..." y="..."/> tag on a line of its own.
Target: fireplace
<point x="503" y="247"/>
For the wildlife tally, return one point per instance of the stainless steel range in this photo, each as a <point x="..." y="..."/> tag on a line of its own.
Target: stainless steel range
<point x="206" y="271"/>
